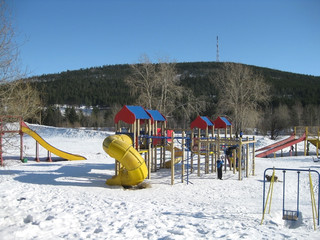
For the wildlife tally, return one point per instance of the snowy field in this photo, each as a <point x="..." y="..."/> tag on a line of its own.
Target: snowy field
<point x="69" y="199"/>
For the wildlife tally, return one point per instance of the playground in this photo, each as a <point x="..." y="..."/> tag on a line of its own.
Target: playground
<point x="70" y="199"/>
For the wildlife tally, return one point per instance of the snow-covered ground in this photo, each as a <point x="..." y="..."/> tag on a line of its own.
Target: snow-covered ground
<point x="69" y="199"/>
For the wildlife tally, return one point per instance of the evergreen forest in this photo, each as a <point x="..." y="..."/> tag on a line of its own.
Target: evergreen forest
<point x="104" y="89"/>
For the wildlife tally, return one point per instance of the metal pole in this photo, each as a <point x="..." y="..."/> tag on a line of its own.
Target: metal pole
<point x="188" y="155"/>
<point x="284" y="190"/>
<point x="264" y="189"/>
<point x="318" y="196"/>
<point x="298" y="194"/>
<point x="172" y="158"/>
<point x="300" y="170"/>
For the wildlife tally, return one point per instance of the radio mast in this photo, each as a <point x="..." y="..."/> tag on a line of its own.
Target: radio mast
<point x="217" y="55"/>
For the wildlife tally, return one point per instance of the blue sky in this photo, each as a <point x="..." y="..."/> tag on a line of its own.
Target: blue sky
<point x="60" y="35"/>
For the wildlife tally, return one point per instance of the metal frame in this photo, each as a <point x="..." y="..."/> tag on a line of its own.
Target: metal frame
<point x="295" y="170"/>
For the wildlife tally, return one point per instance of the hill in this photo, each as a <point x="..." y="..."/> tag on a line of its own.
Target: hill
<point x="104" y="86"/>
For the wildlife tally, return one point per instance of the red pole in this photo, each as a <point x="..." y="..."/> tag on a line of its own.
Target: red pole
<point x="49" y="156"/>
<point x="37" y="152"/>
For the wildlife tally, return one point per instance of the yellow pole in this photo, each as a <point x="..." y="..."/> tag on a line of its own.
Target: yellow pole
<point x="318" y="144"/>
<point x="247" y="159"/>
<point x="149" y="149"/>
<point x="172" y="159"/>
<point x="296" y="145"/>
<point x="138" y="134"/>
<point x="240" y="156"/>
<point x="269" y="191"/>
<point x="207" y="151"/>
<point x="253" y="156"/>
<point x="164" y="143"/>
<point x="199" y="148"/>
<point x="212" y="154"/>
<point x="313" y="203"/>
<point x="234" y="159"/>
<point x="155" y="146"/>
<point x="192" y="151"/>
<point x="183" y="153"/>
<point x="305" y="142"/>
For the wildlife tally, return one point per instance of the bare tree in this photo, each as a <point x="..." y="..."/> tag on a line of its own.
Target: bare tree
<point x="168" y="87"/>
<point x="310" y="114"/>
<point x="8" y="48"/>
<point x="142" y="81"/>
<point x="16" y="96"/>
<point x="277" y="120"/>
<point x="21" y="99"/>
<point x="297" y="111"/>
<point x="158" y="87"/>
<point x="241" y="93"/>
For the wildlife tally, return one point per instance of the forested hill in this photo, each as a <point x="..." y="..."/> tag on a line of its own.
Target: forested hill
<point x="105" y="86"/>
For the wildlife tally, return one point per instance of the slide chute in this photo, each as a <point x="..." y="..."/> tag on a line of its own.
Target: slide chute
<point x="133" y="167"/>
<point x="49" y="147"/>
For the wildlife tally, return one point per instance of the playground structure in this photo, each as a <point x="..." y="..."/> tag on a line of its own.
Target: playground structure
<point x="163" y="147"/>
<point x="15" y="125"/>
<point x="312" y="136"/>
<point x="304" y="134"/>
<point x="291" y="215"/>
<point x="211" y="143"/>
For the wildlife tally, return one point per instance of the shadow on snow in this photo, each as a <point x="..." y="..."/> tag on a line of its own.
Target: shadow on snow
<point x="81" y="175"/>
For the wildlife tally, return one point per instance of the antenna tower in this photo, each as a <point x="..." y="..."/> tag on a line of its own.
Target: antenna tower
<point x="217" y="57"/>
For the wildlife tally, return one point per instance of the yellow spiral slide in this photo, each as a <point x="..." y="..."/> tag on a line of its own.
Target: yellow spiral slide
<point x="133" y="168"/>
<point x="50" y="148"/>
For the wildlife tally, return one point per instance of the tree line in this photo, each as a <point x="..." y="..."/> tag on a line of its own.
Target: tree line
<point x="110" y="87"/>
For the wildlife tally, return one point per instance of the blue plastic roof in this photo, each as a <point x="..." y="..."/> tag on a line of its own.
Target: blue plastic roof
<point x="139" y="112"/>
<point x="226" y="121"/>
<point x="156" y="115"/>
<point x="209" y="123"/>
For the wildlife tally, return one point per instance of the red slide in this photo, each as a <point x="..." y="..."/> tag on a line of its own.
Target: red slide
<point x="277" y="143"/>
<point x="281" y="146"/>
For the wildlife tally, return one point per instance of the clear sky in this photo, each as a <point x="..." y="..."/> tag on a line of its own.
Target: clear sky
<point x="60" y="35"/>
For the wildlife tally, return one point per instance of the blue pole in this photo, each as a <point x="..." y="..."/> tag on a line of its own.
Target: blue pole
<point x="264" y="190"/>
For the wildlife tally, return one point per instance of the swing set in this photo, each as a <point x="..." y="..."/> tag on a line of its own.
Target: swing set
<point x="292" y="215"/>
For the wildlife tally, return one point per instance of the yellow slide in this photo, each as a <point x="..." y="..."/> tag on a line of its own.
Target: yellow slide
<point x="50" y="148"/>
<point x="133" y="167"/>
<point x="314" y="142"/>
<point x="177" y="156"/>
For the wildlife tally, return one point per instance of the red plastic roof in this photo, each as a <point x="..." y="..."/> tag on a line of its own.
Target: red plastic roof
<point x="129" y="114"/>
<point x="221" y="122"/>
<point x="202" y="123"/>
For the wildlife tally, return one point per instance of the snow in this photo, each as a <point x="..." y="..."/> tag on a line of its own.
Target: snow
<point x="70" y="200"/>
